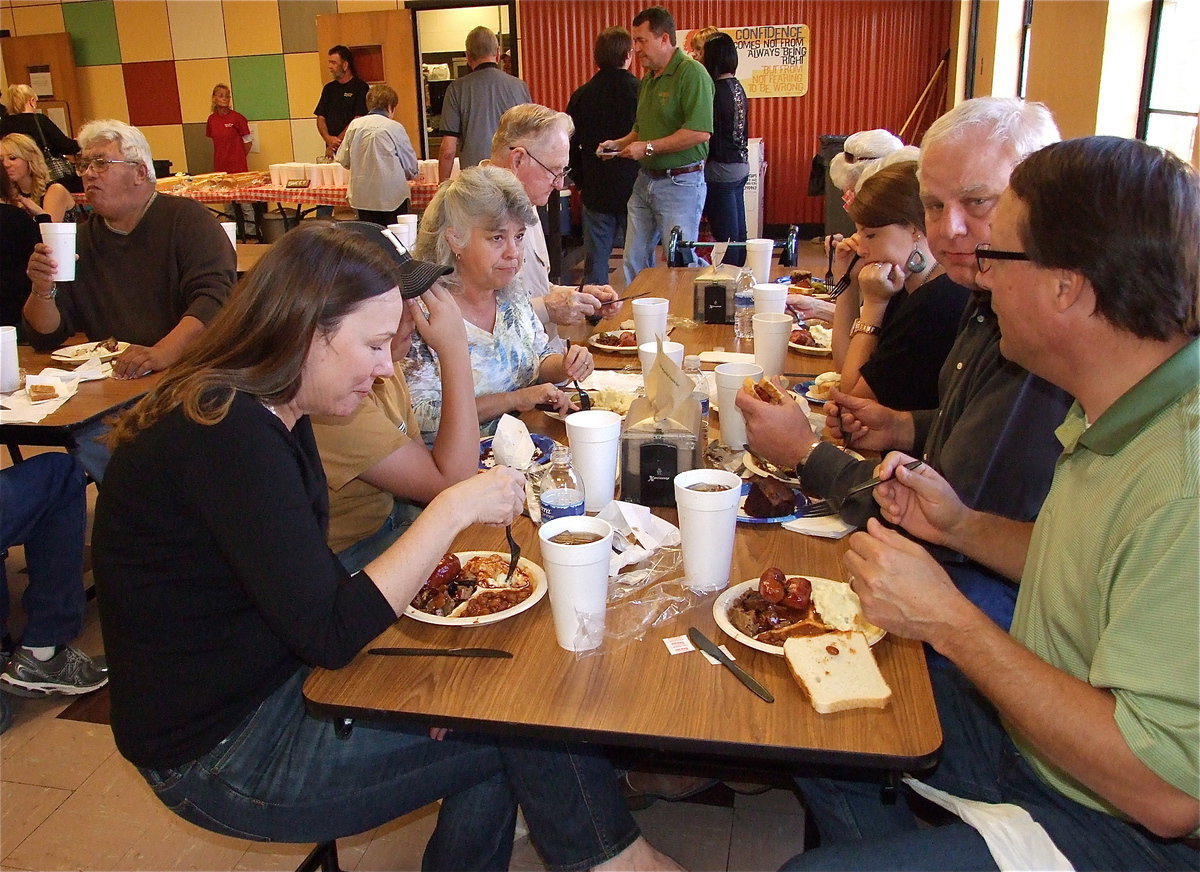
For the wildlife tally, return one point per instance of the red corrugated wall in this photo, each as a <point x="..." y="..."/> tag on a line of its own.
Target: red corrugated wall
<point x="869" y="62"/>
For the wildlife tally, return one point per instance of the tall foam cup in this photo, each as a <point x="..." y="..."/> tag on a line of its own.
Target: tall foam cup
<point x="648" y="351"/>
<point x="594" y="437"/>
<point x="707" y="500"/>
<point x="650" y="318"/>
<point x="730" y="377"/>
<point x="61" y="239"/>
<point x="758" y="258"/>
<point x="230" y="229"/>
<point x="770" y="297"/>
<point x="10" y="377"/>
<point x="577" y="576"/>
<point x="772" y="330"/>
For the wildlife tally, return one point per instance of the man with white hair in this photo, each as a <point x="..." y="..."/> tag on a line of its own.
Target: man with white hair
<point x="994" y="418"/>
<point x="475" y="102"/>
<point x="152" y="269"/>
<point x="534" y="143"/>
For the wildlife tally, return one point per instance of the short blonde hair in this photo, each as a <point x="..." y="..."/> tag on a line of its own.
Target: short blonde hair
<point x="17" y="97"/>
<point x="382" y="96"/>
<point x="698" y="37"/>
<point x="27" y="149"/>
<point x="524" y="125"/>
<point x="219" y="86"/>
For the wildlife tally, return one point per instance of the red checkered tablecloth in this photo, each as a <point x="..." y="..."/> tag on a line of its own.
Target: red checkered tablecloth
<point x="321" y="196"/>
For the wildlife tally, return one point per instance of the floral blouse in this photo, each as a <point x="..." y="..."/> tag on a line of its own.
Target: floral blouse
<point x="503" y="360"/>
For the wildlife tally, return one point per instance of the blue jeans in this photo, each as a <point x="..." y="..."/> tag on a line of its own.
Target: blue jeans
<point x="601" y="234"/>
<point x="655" y="206"/>
<point x="979" y="762"/>
<point x="725" y="207"/>
<point x="92" y="453"/>
<point x="362" y="552"/>
<point x="44" y="508"/>
<point x="284" y="776"/>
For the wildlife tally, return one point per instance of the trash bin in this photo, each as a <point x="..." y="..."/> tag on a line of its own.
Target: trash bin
<point x="272" y="226"/>
<point x="836" y="218"/>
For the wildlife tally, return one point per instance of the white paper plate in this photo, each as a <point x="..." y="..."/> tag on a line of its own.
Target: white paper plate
<point x="87" y="351"/>
<point x="611" y="349"/>
<point x="810" y="349"/>
<point x="721" y="614"/>
<point x="536" y="573"/>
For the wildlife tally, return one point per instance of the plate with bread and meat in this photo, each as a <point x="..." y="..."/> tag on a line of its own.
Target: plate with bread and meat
<point x="615" y="342"/>
<point x="472" y="589"/>
<point x="105" y="349"/>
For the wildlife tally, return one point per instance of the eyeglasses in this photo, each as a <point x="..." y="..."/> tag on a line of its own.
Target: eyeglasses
<point x="560" y="178"/>
<point x="100" y="165"/>
<point x="984" y="252"/>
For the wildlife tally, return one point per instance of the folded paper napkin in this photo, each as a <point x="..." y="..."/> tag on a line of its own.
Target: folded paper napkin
<point x="512" y="445"/>
<point x="91" y="370"/>
<point x="829" y="527"/>
<point x="636" y="533"/>
<point x="725" y="357"/>
<point x="19" y="410"/>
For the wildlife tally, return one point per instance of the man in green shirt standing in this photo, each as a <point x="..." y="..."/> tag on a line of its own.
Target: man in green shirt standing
<point x="669" y="139"/>
<point x="1086" y="715"/>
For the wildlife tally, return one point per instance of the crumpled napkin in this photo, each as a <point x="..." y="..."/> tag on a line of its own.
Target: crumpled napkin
<point x="636" y="533"/>
<point x="91" y="370"/>
<point x="512" y="444"/>
<point x="18" y="408"/>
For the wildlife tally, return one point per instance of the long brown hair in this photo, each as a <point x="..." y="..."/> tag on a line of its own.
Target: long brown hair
<point x="890" y="196"/>
<point x="309" y="281"/>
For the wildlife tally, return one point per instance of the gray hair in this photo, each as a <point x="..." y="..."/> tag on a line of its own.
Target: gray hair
<point x="525" y="125"/>
<point x="131" y="141"/>
<point x="482" y="43"/>
<point x="1020" y="126"/>
<point x="481" y="196"/>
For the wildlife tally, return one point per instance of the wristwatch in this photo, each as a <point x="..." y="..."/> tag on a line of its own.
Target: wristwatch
<point x="649" y="149"/>
<point x="861" y="326"/>
<point x="50" y="294"/>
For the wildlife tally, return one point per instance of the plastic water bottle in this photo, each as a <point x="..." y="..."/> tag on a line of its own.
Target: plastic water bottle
<point x="561" y="492"/>
<point x="743" y="306"/>
<point x="691" y="368"/>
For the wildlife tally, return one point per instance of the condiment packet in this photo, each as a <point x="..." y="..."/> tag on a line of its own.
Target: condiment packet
<point x="512" y="445"/>
<point x="636" y="533"/>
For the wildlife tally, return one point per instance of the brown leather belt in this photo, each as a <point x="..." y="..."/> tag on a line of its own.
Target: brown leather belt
<point x="674" y="171"/>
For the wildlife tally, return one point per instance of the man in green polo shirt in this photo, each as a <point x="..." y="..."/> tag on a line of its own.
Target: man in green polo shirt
<point x="669" y="139"/>
<point x="1086" y="715"/>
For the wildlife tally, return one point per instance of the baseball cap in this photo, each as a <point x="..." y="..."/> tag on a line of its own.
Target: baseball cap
<point x="416" y="276"/>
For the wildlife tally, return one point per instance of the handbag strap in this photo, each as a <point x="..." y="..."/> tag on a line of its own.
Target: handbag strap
<point x="37" y="122"/>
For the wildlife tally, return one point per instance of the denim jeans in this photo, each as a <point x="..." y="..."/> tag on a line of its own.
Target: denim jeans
<point x="725" y="207"/>
<point x="43" y="507"/>
<point x="980" y="762"/>
<point x="284" y="776"/>
<point x="601" y="234"/>
<point x="92" y="453"/>
<point x="655" y="206"/>
<point x="362" y="552"/>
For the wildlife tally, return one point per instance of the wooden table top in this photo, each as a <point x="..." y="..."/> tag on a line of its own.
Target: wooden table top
<point x="93" y="400"/>
<point x="639" y="694"/>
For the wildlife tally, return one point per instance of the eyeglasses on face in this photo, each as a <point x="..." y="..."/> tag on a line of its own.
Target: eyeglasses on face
<point x="100" y="165"/>
<point x="984" y="253"/>
<point x="560" y="178"/>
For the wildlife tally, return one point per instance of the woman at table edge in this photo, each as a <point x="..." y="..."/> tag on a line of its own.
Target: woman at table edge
<point x="218" y="594"/>
<point x="476" y="224"/>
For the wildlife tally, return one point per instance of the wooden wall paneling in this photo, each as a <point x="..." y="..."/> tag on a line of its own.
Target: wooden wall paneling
<point x="22" y="52"/>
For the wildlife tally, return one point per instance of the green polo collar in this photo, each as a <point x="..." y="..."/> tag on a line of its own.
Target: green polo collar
<point x="1130" y="413"/>
<point x="673" y="64"/>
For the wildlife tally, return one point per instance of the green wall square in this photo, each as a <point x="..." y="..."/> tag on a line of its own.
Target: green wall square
<point x="93" y="29"/>
<point x="261" y="86"/>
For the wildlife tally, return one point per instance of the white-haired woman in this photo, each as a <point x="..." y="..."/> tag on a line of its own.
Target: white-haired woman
<point x="32" y="189"/>
<point x="23" y="117"/>
<point x="476" y="225"/>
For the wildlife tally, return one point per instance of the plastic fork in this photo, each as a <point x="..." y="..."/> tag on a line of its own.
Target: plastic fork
<point x="829" y="270"/>
<point x="844" y="281"/>
<point x="585" y="402"/>
<point x="515" y="549"/>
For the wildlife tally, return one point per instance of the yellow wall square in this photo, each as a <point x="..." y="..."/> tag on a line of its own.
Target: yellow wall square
<point x="144" y="31"/>
<point x="166" y="143"/>
<point x="274" y="144"/>
<point x="197" y="28"/>
<point x="28" y="20"/>
<point x="307" y="144"/>
<point x="252" y="27"/>
<point x="304" y="82"/>
<point x="102" y="91"/>
<point x="196" y="80"/>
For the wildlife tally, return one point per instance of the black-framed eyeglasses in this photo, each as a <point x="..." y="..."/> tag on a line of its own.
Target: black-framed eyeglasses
<point x="100" y="165"/>
<point x="984" y="252"/>
<point x="560" y="178"/>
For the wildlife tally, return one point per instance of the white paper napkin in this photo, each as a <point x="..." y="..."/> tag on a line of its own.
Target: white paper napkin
<point x="19" y="410"/>
<point x="725" y="357"/>
<point x="512" y="444"/>
<point x="636" y="533"/>
<point x="829" y="527"/>
<point x="91" y="370"/>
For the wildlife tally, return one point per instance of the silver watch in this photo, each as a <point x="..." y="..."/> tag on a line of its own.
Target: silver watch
<point x="649" y="149"/>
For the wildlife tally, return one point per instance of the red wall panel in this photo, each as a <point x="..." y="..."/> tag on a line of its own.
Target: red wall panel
<point x="869" y="61"/>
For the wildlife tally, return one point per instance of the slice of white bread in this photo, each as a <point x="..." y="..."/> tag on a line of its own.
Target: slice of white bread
<point x="833" y="682"/>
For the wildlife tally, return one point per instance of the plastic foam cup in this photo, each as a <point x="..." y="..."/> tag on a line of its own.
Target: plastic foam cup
<point x="650" y="318"/>
<point x="10" y="376"/>
<point x="594" y="437"/>
<point x="61" y="239"/>
<point x="230" y="229"/>
<point x="772" y="331"/>
<point x="707" y="521"/>
<point x="648" y="351"/>
<point x="577" y="576"/>
<point x="758" y="258"/>
<point x="769" y="297"/>
<point x="730" y="377"/>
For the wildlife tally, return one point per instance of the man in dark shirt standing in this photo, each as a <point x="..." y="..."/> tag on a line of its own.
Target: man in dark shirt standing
<point x="342" y="100"/>
<point x="604" y="108"/>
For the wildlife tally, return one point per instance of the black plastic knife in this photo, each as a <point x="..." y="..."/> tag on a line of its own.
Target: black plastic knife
<point x="706" y="645"/>
<point x="440" y="652"/>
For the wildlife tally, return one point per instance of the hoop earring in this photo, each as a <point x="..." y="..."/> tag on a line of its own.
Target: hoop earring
<point x="916" y="261"/>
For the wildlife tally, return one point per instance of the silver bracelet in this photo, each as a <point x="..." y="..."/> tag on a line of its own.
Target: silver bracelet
<point x="53" y="292"/>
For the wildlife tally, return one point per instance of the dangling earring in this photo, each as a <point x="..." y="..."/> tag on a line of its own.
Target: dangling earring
<point x="916" y="261"/>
